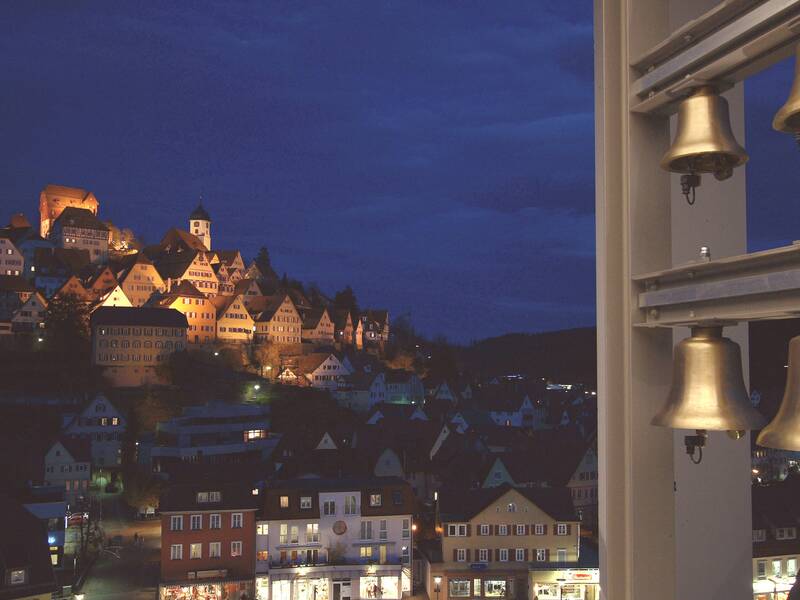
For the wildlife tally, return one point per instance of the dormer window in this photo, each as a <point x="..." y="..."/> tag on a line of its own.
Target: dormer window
<point x="305" y="502"/>
<point x="284" y="501"/>
<point x="17" y="576"/>
<point x="785" y="533"/>
<point x="374" y="499"/>
<point x="759" y="535"/>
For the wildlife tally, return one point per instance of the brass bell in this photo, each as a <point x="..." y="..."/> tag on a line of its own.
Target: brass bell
<point x="787" y="119"/>
<point x="704" y="142"/>
<point x="783" y="432"/>
<point x="708" y="389"/>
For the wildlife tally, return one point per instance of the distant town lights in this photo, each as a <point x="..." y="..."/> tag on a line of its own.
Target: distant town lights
<point x="216" y="352"/>
<point x="51" y="539"/>
<point x="256" y="387"/>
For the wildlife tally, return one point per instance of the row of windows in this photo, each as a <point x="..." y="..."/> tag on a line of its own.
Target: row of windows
<point x="133" y="357"/>
<point x="196" y="300"/>
<point x="102" y="421"/>
<point x="463" y="529"/>
<point x="194" y="315"/>
<point x="485" y="555"/>
<point x="69" y="469"/>
<point x="196" y="550"/>
<point x="161" y="331"/>
<point x="492" y="588"/>
<point x="139" y="344"/>
<point x="196" y="522"/>
<point x="235" y="330"/>
<point x="776" y="569"/>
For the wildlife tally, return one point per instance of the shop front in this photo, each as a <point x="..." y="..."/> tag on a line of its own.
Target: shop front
<point x="333" y="583"/>
<point x="207" y="590"/>
<point x="774" y="588"/>
<point x="565" y="584"/>
<point x="494" y="585"/>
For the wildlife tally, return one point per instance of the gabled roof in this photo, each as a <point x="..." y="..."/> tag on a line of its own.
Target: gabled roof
<point x="182" y="497"/>
<point x="176" y="239"/>
<point x="380" y="317"/>
<point x="19" y="221"/>
<point x="174" y="265"/>
<point x="271" y="306"/>
<point x="72" y="216"/>
<point x="399" y="376"/>
<point x="463" y="505"/>
<point x="308" y="363"/>
<point x="228" y="257"/>
<point x="79" y="449"/>
<point x="24" y="545"/>
<point x="313" y="317"/>
<point x="340" y="317"/>
<point x="223" y="303"/>
<point x="185" y="289"/>
<point x="142" y="316"/>
<point x="63" y="190"/>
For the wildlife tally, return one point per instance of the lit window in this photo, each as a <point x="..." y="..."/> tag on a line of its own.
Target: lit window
<point x="262" y="529"/>
<point x="374" y="499"/>
<point x="16" y="576"/>
<point x="284" y="501"/>
<point x="459" y="588"/>
<point x="511" y="507"/>
<point x="561" y="555"/>
<point x="195" y="551"/>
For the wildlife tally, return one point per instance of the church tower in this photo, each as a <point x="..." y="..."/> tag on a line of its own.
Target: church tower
<point x="200" y="225"/>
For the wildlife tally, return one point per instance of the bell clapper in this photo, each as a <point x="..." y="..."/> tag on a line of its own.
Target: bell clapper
<point x="689" y="183"/>
<point x="695" y="444"/>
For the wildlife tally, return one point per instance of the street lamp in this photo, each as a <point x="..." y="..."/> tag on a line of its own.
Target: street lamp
<point x="437" y="585"/>
<point x="257" y="387"/>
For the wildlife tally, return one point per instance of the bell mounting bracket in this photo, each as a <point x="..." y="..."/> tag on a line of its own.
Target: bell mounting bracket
<point x="730" y="290"/>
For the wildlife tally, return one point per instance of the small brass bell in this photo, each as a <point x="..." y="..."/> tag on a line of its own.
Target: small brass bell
<point x="787" y="119"/>
<point x="708" y="391"/>
<point x="704" y="142"/>
<point x="783" y="432"/>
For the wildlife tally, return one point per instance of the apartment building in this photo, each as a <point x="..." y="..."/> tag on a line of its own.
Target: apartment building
<point x="80" y="229"/>
<point x="208" y="533"/>
<point x="130" y="343"/>
<point x="493" y="538"/>
<point x="335" y="539"/>
<point x="216" y="433"/>
<point x="200" y="313"/>
<point x="103" y="426"/>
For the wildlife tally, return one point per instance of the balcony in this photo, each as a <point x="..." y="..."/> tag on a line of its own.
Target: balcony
<point x="323" y="562"/>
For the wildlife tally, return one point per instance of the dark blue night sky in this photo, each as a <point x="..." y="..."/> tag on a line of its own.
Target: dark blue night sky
<point x="437" y="157"/>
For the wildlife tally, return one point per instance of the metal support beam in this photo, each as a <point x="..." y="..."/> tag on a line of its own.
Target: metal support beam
<point x="761" y="285"/>
<point x="724" y="46"/>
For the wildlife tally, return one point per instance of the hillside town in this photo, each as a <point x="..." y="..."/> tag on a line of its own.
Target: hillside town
<point x="343" y="467"/>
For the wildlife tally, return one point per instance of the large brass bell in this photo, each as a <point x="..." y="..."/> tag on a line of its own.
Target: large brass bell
<point x="787" y="119"/>
<point x="783" y="432"/>
<point x="704" y="142"/>
<point x="708" y="391"/>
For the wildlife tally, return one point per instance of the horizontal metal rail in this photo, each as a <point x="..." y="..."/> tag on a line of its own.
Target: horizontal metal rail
<point x="724" y="46"/>
<point x="749" y="287"/>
